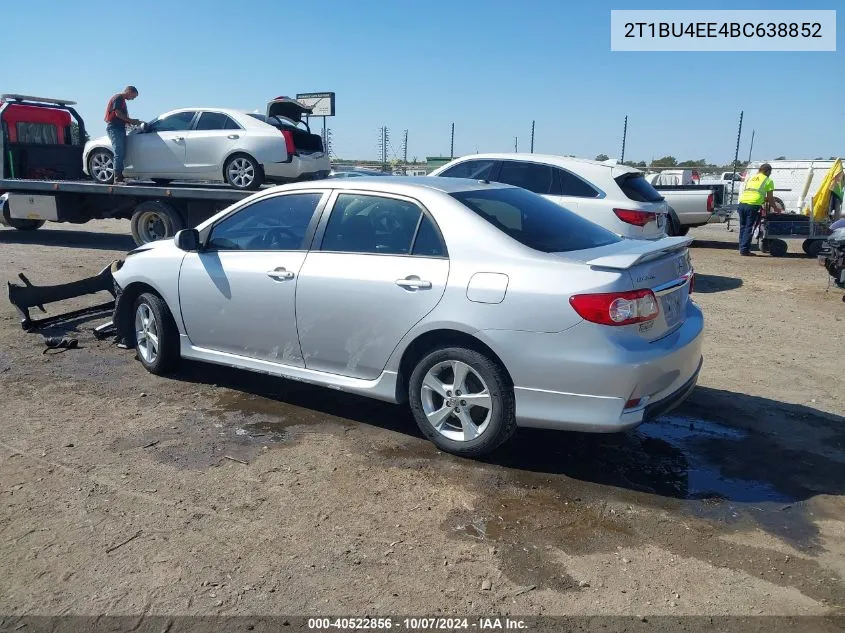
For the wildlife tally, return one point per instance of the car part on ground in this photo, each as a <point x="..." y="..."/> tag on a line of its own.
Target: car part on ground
<point x="614" y="196"/>
<point x="29" y="296"/>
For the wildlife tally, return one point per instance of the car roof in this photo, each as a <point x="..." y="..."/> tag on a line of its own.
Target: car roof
<point x="395" y="184"/>
<point x="570" y="162"/>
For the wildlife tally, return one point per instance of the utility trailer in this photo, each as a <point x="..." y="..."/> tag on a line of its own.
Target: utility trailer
<point x="41" y="145"/>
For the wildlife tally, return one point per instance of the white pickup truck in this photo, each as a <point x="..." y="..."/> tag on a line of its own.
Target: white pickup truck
<point x="690" y="205"/>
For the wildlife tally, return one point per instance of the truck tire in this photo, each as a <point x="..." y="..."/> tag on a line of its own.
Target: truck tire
<point x="812" y="247"/>
<point x="673" y="225"/>
<point x="243" y="172"/>
<point x="777" y="248"/>
<point x="101" y="166"/>
<point x="18" y="223"/>
<point x="153" y="220"/>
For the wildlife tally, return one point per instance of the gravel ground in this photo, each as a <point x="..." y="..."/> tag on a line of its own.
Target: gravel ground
<point x="221" y="492"/>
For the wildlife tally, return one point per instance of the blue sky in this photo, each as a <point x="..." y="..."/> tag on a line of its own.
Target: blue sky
<point x="491" y="66"/>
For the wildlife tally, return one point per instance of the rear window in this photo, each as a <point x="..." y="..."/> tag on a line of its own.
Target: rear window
<point x="535" y="221"/>
<point x="636" y="187"/>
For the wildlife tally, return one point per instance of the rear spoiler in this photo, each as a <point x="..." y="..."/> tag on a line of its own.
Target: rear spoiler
<point x="640" y="251"/>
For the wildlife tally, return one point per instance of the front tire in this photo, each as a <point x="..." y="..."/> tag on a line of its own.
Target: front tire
<point x="153" y="220"/>
<point x="243" y="172"/>
<point x="462" y="401"/>
<point x="156" y="336"/>
<point x="101" y="166"/>
<point x="19" y="223"/>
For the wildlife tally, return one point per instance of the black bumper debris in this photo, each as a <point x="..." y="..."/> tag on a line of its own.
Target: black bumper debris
<point x="27" y="296"/>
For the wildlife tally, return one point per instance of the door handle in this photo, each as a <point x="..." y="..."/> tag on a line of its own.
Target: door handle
<point x="280" y="274"/>
<point x="233" y="136"/>
<point x="412" y="282"/>
<point x="178" y="139"/>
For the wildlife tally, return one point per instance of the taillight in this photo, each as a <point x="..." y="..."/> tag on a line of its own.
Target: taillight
<point x="616" y="308"/>
<point x="637" y="218"/>
<point x="289" y="146"/>
<point x="710" y="203"/>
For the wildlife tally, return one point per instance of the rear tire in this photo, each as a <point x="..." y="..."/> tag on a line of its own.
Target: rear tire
<point x="243" y="172"/>
<point x="155" y="335"/>
<point x="471" y="426"/>
<point x="812" y="247"/>
<point x="777" y="248"/>
<point x="162" y="181"/>
<point x="153" y="220"/>
<point x="101" y="166"/>
<point x="18" y="223"/>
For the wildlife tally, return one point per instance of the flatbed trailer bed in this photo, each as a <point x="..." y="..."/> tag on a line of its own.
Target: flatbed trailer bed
<point x="156" y="211"/>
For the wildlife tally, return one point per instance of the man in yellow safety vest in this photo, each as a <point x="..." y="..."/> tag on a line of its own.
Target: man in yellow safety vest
<point x="758" y="192"/>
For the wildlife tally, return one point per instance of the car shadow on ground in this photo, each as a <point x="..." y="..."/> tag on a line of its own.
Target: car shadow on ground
<point x="69" y="239"/>
<point x="707" y="284"/>
<point x="713" y="447"/>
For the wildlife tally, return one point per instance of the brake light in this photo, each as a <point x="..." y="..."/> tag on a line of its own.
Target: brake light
<point x="616" y="308"/>
<point x="637" y="218"/>
<point x="289" y="146"/>
<point x="710" y="203"/>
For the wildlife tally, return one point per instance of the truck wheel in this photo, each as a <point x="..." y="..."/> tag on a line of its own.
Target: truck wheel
<point x="153" y="220"/>
<point x="19" y="223"/>
<point x="243" y="172"/>
<point x="812" y="247"/>
<point x="156" y="336"/>
<point x="101" y="166"/>
<point x="777" y="248"/>
<point x="673" y="225"/>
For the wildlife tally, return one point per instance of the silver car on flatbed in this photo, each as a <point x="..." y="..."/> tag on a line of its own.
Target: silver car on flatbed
<point x="485" y="306"/>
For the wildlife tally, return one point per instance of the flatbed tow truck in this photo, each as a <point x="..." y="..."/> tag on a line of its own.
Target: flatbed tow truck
<point x="41" y="178"/>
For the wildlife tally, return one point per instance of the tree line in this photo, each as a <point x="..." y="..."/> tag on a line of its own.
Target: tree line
<point x="700" y="164"/>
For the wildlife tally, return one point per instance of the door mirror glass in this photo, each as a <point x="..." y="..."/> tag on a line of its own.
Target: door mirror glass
<point x="187" y="240"/>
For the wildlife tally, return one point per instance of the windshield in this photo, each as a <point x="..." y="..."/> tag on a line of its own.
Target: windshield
<point x="535" y="221"/>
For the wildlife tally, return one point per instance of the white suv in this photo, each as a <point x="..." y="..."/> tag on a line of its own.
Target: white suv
<point x="614" y="196"/>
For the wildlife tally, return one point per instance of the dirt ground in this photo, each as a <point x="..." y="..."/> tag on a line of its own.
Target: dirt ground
<point x="222" y="492"/>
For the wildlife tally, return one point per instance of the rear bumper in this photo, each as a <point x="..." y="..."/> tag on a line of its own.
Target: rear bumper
<point x="300" y="167"/>
<point x="581" y="380"/>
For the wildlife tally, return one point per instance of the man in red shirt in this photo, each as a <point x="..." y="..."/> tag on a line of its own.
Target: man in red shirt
<point x="117" y="117"/>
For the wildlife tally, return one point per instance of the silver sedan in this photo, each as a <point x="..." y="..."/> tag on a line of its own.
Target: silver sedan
<point x="485" y="306"/>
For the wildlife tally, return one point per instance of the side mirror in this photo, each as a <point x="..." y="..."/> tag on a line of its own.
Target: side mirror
<point x="187" y="240"/>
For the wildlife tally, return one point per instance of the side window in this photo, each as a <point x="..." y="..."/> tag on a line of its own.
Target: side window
<point x="473" y="169"/>
<point x="532" y="176"/>
<point x="272" y="224"/>
<point x="179" y="122"/>
<point x="215" y="121"/>
<point x="371" y="224"/>
<point x="428" y="242"/>
<point x="572" y="185"/>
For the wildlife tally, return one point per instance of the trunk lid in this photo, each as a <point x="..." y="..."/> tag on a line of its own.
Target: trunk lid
<point x="287" y="108"/>
<point x="662" y="266"/>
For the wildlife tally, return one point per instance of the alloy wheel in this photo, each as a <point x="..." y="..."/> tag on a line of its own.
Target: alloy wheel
<point x="102" y="166"/>
<point x="146" y="333"/>
<point x="456" y="401"/>
<point x="241" y="172"/>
